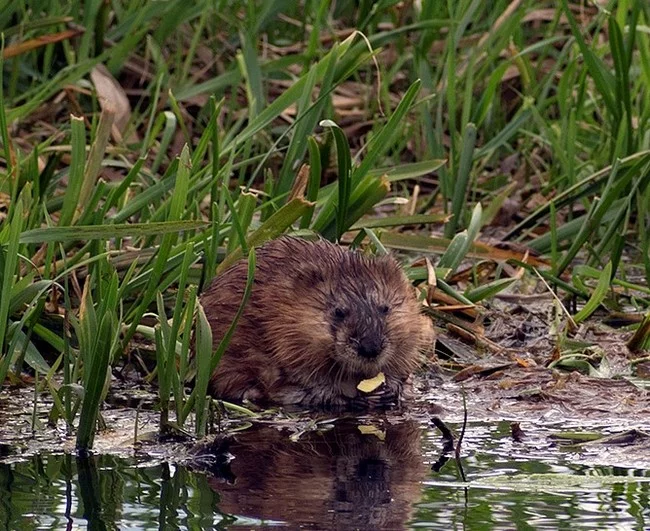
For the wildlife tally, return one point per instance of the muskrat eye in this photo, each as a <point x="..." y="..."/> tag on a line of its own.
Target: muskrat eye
<point x="383" y="309"/>
<point x="340" y="313"/>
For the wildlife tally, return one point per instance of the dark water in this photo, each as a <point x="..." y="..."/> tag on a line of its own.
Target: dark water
<point x="346" y="477"/>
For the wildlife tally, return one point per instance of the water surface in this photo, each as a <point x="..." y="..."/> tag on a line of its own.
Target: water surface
<point x="353" y="474"/>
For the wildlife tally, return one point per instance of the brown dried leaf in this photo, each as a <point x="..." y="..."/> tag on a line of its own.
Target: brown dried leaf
<point x="300" y="184"/>
<point x="31" y="44"/>
<point x="5" y="201"/>
<point x="112" y="98"/>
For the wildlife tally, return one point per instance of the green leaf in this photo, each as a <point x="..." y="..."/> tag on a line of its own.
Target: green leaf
<point x="604" y="80"/>
<point x="287" y="98"/>
<point x="306" y="120"/>
<point x="455" y="253"/>
<point x="76" y="173"/>
<point x="489" y="290"/>
<point x="179" y="198"/>
<point x="398" y="221"/>
<point x="203" y="361"/>
<point x="271" y="228"/>
<point x="344" y="177"/>
<point x="460" y="190"/>
<point x="250" y="68"/>
<point x="381" y="142"/>
<point x="597" y="296"/>
<point x="225" y="341"/>
<point x="215" y="358"/>
<point x="461" y="244"/>
<point x="408" y="171"/>
<point x="108" y="232"/>
<point x="10" y="264"/>
<point x="95" y="157"/>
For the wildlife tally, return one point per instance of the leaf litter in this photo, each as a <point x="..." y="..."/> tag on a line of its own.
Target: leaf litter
<point x="516" y="385"/>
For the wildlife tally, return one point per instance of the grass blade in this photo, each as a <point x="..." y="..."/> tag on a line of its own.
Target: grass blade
<point x="382" y="141"/>
<point x="108" y="232"/>
<point x="271" y="228"/>
<point x="597" y="296"/>
<point x="76" y="173"/>
<point x="9" y="270"/>
<point x="344" y="177"/>
<point x="462" y="180"/>
<point x="203" y="362"/>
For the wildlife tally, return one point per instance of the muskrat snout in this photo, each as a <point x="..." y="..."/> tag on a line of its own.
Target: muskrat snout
<point x="369" y="346"/>
<point x="363" y="331"/>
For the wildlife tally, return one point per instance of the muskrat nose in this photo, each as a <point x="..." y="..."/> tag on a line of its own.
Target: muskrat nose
<point x="370" y="347"/>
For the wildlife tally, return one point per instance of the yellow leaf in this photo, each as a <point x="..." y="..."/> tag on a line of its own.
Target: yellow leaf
<point x="372" y="430"/>
<point x="368" y="386"/>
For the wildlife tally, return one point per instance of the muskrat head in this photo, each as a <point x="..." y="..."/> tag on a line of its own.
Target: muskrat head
<point x="358" y="326"/>
<point x="373" y="318"/>
<point x="361" y="317"/>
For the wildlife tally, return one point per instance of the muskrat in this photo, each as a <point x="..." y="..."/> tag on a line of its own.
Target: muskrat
<point x="320" y="319"/>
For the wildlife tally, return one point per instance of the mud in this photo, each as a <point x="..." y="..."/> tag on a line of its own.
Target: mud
<point x="527" y="378"/>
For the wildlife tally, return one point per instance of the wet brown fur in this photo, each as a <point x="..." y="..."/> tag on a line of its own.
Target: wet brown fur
<point x="290" y="347"/>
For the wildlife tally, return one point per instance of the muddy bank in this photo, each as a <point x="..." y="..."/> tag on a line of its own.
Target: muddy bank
<point x="515" y="370"/>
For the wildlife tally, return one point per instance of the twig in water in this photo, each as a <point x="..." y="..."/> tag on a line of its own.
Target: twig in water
<point x="448" y="444"/>
<point x="459" y="464"/>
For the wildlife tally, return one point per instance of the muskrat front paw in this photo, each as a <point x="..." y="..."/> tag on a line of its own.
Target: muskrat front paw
<point x="384" y="397"/>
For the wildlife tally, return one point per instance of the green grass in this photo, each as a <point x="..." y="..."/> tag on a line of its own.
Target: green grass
<point x="143" y="206"/>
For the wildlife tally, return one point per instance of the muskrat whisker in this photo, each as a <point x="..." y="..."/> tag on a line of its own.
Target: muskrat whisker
<point x="318" y="368"/>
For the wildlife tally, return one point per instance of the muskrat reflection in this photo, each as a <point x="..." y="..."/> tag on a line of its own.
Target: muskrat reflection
<point x="347" y="476"/>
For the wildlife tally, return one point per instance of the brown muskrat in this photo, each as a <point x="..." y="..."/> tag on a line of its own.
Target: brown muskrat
<point x="320" y="319"/>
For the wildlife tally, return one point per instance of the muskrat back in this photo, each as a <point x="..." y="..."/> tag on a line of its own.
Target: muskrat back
<point x="320" y="319"/>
